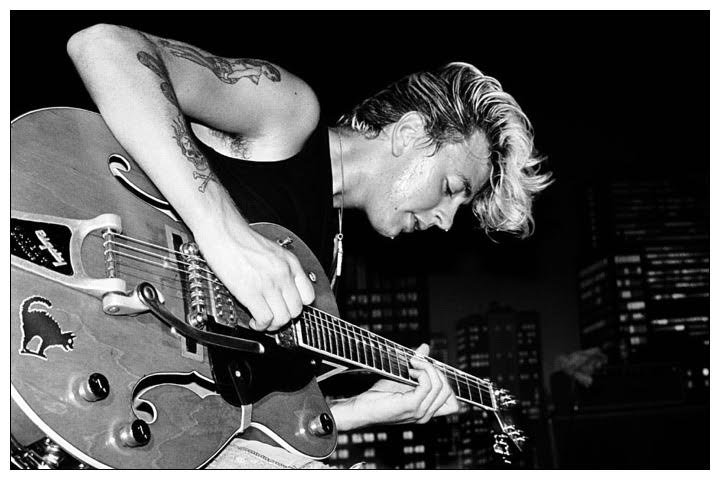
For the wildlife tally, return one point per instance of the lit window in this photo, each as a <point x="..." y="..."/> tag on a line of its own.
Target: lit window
<point x="369" y="437"/>
<point x="369" y="453"/>
<point x="342" y="439"/>
<point x="356" y="438"/>
<point x="343" y="453"/>
<point x="407" y="449"/>
<point x="408" y="435"/>
<point x="419" y="448"/>
<point x="635" y="305"/>
<point x="706" y="372"/>
<point x="420" y="464"/>
<point x="381" y="436"/>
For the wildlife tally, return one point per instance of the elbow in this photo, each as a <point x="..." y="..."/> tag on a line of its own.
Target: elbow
<point x="90" y="38"/>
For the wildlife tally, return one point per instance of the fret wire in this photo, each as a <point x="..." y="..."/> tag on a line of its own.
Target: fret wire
<point x="324" y="337"/>
<point x="407" y="366"/>
<point x="397" y="360"/>
<point x="387" y="349"/>
<point x="334" y="335"/>
<point x="309" y="333"/>
<point x="365" y="345"/>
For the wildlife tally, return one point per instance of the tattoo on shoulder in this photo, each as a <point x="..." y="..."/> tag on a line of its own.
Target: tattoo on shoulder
<point x="229" y="71"/>
<point x="183" y="139"/>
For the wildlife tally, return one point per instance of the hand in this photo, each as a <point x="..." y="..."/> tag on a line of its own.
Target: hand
<point x="265" y="278"/>
<point x="393" y="402"/>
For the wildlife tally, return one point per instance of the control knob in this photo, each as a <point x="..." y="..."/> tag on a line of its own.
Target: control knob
<point x="321" y="425"/>
<point x="95" y="388"/>
<point x="137" y="434"/>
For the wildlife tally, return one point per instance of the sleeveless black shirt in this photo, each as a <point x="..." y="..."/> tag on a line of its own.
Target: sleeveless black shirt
<point x="295" y="193"/>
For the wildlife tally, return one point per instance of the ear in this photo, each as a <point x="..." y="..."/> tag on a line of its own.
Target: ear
<point x="406" y="132"/>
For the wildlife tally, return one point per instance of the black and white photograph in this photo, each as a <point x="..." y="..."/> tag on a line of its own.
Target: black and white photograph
<point x="359" y="239"/>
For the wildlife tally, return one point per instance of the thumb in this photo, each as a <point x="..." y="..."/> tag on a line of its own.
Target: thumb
<point x="423" y="350"/>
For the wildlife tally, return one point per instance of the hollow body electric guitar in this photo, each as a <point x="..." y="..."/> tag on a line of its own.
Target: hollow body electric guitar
<point x="127" y="352"/>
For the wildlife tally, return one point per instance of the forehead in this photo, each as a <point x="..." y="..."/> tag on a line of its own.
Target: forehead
<point x="470" y="159"/>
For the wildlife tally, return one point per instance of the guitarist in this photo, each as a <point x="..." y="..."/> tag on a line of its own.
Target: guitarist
<point x="230" y="141"/>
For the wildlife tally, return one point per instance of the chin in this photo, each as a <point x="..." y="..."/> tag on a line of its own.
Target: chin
<point x="382" y="228"/>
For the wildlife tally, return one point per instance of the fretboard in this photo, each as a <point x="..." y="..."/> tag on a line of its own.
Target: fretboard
<point x="335" y="338"/>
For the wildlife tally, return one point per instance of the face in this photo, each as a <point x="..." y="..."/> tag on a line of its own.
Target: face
<point x="421" y="189"/>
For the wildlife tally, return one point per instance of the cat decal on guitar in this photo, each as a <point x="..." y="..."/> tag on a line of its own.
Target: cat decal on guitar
<point x="39" y="323"/>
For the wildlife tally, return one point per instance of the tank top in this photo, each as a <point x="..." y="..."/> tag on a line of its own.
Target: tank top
<point x="295" y="193"/>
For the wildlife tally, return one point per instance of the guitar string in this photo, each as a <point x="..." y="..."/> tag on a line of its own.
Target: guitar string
<point x="389" y="354"/>
<point x="408" y="353"/>
<point x="458" y="375"/>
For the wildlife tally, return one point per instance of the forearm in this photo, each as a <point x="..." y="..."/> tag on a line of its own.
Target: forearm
<point x="126" y="77"/>
<point x="345" y="413"/>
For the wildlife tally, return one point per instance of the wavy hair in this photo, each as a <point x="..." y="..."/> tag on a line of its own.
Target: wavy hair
<point x="455" y="101"/>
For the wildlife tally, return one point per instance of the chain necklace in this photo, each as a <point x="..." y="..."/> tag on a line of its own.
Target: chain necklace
<point x="338" y="240"/>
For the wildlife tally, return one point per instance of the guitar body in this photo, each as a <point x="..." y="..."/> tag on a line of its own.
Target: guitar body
<point x="67" y="174"/>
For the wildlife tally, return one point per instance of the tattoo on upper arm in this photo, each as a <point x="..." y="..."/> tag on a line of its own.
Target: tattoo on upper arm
<point x="227" y="70"/>
<point x="157" y="66"/>
<point x="182" y="137"/>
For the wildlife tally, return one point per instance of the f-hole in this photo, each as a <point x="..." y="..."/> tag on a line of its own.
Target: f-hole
<point x="119" y="166"/>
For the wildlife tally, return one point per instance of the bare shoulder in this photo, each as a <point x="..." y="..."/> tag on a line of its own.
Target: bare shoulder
<point x="243" y="96"/>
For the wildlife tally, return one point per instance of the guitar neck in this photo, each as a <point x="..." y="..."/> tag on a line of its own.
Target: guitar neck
<point x="337" y="339"/>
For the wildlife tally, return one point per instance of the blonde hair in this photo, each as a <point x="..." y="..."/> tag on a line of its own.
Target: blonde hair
<point x="455" y="101"/>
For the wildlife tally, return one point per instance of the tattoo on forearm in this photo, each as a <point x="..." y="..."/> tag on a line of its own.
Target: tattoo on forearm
<point x="227" y="70"/>
<point x="182" y="137"/>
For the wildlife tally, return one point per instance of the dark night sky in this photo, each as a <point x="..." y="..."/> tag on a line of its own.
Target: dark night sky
<point x="609" y="94"/>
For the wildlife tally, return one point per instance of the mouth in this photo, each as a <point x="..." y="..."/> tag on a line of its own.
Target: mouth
<point x="413" y="224"/>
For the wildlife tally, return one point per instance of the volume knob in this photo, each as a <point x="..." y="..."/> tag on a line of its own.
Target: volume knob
<point x="321" y="425"/>
<point x="137" y="434"/>
<point x="95" y="388"/>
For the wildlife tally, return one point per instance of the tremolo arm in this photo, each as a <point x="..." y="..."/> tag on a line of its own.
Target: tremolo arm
<point x="146" y="298"/>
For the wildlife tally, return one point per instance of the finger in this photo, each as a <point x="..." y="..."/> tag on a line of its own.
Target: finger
<point x="443" y="395"/>
<point x="302" y="282"/>
<point x="423" y="350"/>
<point x="280" y="314"/>
<point x="423" y="388"/>
<point x="292" y="300"/>
<point x="449" y="407"/>
<point x="436" y="386"/>
<point x="259" y="311"/>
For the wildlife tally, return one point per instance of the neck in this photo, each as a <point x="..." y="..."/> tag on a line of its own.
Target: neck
<point x="323" y="333"/>
<point x="357" y="167"/>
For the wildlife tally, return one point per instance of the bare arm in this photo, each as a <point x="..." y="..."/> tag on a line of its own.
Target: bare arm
<point x="143" y="87"/>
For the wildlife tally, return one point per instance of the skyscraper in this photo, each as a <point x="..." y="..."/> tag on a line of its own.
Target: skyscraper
<point x="645" y="276"/>
<point x="504" y="346"/>
<point x="392" y="304"/>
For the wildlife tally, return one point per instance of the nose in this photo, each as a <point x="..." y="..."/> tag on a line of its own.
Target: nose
<point x="445" y="215"/>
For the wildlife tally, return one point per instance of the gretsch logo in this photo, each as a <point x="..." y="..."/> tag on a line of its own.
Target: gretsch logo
<point x="47" y="245"/>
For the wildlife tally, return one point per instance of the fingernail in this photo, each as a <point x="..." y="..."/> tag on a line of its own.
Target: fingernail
<point x="252" y="323"/>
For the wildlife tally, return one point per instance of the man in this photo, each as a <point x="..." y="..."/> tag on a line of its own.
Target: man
<point x="231" y="140"/>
